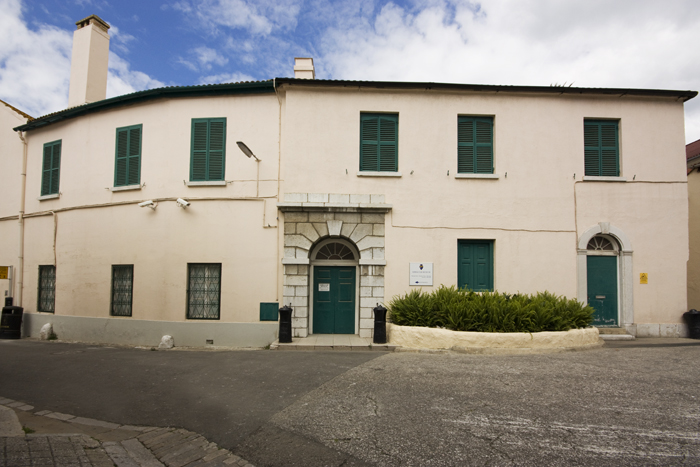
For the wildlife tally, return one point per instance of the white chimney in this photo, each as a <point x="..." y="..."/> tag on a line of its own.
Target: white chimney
<point x="304" y="68"/>
<point x="89" y="61"/>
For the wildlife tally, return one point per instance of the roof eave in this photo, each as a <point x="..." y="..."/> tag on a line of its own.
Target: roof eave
<point x="150" y="94"/>
<point x="494" y="88"/>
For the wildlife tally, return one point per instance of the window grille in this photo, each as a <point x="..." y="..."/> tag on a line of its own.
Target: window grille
<point x="122" y="289"/>
<point x="47" y="289"/>
<point x="335" y="251"/>
<point x="600" y="244"/>
<point x="203" y="290"/>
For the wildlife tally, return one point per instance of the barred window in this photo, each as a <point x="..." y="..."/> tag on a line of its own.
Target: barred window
<point x="203" y="290"/>
<point x="122" y="289"/>
<point x="47" y="289"/>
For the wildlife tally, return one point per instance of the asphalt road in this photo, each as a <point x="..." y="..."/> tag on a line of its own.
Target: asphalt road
<point x="632" y="403"/>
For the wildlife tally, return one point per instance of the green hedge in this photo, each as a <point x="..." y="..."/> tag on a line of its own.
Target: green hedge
<point x="465" y="310"/>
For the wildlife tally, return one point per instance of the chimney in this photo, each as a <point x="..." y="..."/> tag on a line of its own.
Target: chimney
<point x="88" y="69"/>
<point x="304" y="68"/>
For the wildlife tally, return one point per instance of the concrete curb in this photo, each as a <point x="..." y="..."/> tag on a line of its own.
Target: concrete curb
<point x="413" y="338"/>
<point x="137" y="446"/>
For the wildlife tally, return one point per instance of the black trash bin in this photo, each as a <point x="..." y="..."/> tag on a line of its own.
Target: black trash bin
<point x="379" y="325"/>
<point x="11" y="322"/>
<point x="285" y="335"/>
<point x="692" y="319"/>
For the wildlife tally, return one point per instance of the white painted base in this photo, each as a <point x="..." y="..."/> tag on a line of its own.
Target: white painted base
<point x="662" y="330"/>
<point x="149" y="333"/>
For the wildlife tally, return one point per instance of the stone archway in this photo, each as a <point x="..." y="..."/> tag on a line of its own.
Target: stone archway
<point x="311" y="217"/>
<point x="624" y="268"/>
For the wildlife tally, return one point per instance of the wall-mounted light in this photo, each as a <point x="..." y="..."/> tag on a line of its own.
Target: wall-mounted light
<point x="246" y="150"/>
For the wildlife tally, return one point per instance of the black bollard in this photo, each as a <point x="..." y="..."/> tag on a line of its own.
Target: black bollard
<point x="285" y="335"/>
<point x="379" y="325"/>
<point x="692" y="319"/>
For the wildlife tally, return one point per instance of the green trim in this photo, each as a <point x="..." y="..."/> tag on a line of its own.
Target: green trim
<point x="127" y="159"/>
<point x="208" y="149"/>
<point x="269" y="311"/>
<point x="475" y="265"/>
<point x="51" y="168"/>
<point x="204" y="291"/>
<point x="475" y="145"/>
<point x="379" y="142"/>
<point x="601" y="148"/>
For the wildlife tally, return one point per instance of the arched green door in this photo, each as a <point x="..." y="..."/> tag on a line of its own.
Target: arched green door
<point x="334" y="300"/>
<point x="602" y="289"/>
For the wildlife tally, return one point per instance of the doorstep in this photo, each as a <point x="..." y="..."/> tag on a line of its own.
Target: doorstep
<point x="331" y="342"/>
<point x="615" y="334"/>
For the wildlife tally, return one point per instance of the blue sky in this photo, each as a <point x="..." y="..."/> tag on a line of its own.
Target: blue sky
<point x="591" y="43"/>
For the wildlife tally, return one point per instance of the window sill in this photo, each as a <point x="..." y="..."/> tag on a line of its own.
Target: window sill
<point x="210" y="183"/>
<point x="126" y="188"/>
<point x="481" y="176"/>
<point x="51" y="196"/>
<point x="590" y="178"/>
<point x="379" y="174"/>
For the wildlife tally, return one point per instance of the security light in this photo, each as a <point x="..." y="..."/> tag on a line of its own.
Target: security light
<point x="246" y="150"/>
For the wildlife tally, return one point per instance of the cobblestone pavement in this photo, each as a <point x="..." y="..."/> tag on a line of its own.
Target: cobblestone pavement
<point x="31" y="438"/>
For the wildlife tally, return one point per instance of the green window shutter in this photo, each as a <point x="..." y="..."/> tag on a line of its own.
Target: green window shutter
<point x="127" y="165"/>
<point x="51" y="168"/>
<point x="208" y="157"/>
<point x="475" y="145"/>
<point x="601" y="148"/>
<point x="475" y="265"/>
<point x="379" y="141"/>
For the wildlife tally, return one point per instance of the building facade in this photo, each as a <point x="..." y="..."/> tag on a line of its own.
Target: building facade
<point x="144" y="218"/>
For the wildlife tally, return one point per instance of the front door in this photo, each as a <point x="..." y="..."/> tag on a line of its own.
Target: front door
<point x="602" y="289"/>
<point x="334" y="300"/>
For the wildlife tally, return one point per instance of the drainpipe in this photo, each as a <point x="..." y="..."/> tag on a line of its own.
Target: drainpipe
<point x="20" y="272"/>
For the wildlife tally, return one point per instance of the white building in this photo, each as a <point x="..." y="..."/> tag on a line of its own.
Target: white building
<point x="578" y="191"/>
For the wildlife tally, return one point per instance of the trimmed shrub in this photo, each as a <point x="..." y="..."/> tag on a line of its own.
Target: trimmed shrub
<point x="466" y="310"/>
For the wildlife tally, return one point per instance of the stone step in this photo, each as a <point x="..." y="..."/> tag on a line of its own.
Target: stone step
<point x="612" y="331"/>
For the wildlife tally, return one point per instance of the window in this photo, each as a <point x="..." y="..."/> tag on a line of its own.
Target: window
<point x="127" y="165"/>
<point x="51" y="168"/>
<point x="203" y="290"/>
<point x="379" y="142"/>
<point x="208" y="157"/>
<point x="47" y="289"/>
<point x="122" y="289"/>
<point x="475" y="145"/>
<point x="600" y="140"/>
<point x="475" y="268"/>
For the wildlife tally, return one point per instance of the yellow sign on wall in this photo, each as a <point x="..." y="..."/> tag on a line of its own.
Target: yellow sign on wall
<point x="643" y="278"/>
<point x="3" y="272"/>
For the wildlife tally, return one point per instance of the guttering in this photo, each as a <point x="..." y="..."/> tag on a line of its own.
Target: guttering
<point x="256" y="87"/>
<point x="20" y="272"/>
<point x="490" y="88"/>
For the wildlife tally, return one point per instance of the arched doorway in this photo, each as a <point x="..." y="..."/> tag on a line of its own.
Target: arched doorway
<point x="605" y="275"/>
<point x="602" y="254"/>
<point x="334" y="297"/>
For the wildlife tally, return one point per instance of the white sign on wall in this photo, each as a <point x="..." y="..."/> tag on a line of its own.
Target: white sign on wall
<point x="420" y="273"/>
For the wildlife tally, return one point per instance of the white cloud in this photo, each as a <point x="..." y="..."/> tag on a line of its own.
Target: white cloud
<point x="123" y="80"/>
<point x="592" y="43"/>
<point x="35" y="65"/>
<point x="119" y="40"/>
<point x="258" y="17"/>
<point x="202" y="58"/>
<point x="225" y="78"/>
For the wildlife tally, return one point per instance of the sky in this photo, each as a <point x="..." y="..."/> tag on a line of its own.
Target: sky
<point x="585" y="43"/>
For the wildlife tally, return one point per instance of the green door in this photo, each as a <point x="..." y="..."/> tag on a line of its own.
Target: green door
<point x="602" y="289"/>
<point x="334" y="300"/>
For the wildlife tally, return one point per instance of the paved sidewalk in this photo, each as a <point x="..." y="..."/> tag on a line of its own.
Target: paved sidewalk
<point x="52" y="439"/>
